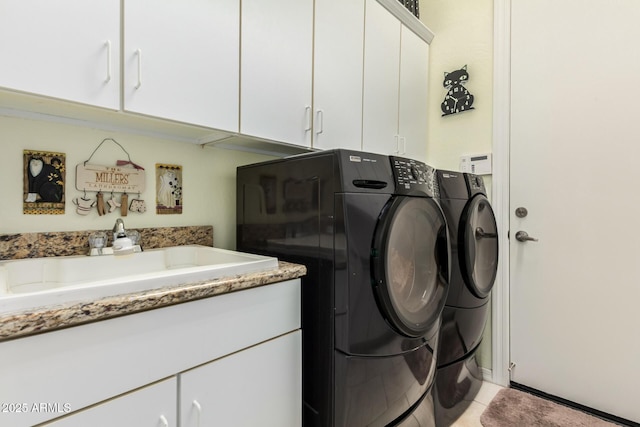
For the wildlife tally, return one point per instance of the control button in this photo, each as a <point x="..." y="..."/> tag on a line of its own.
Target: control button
<point x="415" y="173"/>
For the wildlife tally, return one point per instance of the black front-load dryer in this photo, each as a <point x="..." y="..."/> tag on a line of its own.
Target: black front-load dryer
<point x="474" y="256"/>
<point x="374" y="242"/>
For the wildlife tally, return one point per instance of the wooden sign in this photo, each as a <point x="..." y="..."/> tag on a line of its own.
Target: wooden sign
<point x="109" y="178"/>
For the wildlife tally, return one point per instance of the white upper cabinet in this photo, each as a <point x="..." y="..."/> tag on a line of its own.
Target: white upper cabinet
<point x="337" y="77"/>
<point x="395" y="86"/>
<point x="414" y="89"/>
<point x="381" y="77"/>
<point x="67" y="49"/>
<point x="317" y="74"/>
<point x="181" y="60"/>
<point x="276" y="70"/>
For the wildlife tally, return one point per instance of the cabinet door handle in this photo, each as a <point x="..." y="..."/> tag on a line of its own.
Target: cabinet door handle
<point x="164" y="421"/>
<point x="320" y="120"/>
<point x="198" y="407"/>
<point x="403" y="143"/>
<point x="397" y="137"/>
<point x="108" y="44"/>
<point x="139" y="54"/>
<point x="307" y="116"/>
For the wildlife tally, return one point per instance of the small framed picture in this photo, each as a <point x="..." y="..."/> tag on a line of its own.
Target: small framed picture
<point x="168" y="189"/>
<point x="43" y="183"/>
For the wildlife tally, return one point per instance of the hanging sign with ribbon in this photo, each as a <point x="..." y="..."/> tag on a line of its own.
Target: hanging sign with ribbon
<point x="126" y="176"/>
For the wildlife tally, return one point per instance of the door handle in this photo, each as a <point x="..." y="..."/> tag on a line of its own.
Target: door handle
<point x="480" y="233"/>
<point x="198" y="407"/>
<point x="319" y="121"/>
<point x="139" y="55"/>
<point x="108" y="45"/>
<point x="523" y="236"/>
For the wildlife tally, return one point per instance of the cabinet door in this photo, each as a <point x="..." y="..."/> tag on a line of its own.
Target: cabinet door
<point x="337" y="77"/>
<point x="151" y="406"/>
<point x="414" y="71"/>
<point x="276" y="70"/>
<point x="65" y="49"/>
<point x="181" y="60"/>
<point x="381" y="80"/>
<point x="259" y="386"/>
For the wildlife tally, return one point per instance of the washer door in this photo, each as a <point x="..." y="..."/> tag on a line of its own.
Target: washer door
<point x="409" y="262"/>
<point x="478" y="246"/>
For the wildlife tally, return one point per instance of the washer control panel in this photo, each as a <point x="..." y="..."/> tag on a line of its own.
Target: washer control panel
<point x="412" y="176"/>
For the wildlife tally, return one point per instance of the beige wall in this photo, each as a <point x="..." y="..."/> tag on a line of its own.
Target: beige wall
<point x="208" y="178"/>
<point x="463" y="36"/>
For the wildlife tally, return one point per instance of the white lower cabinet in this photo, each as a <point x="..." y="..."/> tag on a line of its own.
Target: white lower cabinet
<point x="259" y="386"/>
<point x="230" y="353"/>
<point x="151" y="406"/>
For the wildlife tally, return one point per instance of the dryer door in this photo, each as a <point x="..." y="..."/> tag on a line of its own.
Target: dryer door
<point x="478" y="245"/>
<point x="409" y="262"/>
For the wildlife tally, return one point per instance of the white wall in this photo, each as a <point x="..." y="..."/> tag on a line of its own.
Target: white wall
<point x="463" y="36"/>
<point x="208" y="174"/>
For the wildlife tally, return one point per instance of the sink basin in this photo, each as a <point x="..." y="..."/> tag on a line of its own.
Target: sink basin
<point x="34" y="282"/>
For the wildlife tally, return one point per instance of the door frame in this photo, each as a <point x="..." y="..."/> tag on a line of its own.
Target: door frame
<point x="500" y="330"/>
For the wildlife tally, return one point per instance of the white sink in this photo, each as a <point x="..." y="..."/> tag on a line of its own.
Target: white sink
<point x="35" y="282"/>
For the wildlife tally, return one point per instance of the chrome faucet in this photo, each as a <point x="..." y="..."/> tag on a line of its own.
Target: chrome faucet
<point x="118" y="230"/>
<point x="122" y="244"/>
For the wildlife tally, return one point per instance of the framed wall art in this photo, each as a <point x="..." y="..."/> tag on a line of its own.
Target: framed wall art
<point x="168" y="189"/>
<point x="43" y="182"/>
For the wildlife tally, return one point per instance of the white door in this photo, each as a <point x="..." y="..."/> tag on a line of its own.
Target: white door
<point x="182" y="63"/>
<point x="575" y="145"/>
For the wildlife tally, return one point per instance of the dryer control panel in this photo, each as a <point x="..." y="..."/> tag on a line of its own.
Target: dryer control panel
<point x="475" y="183"/>
<point x="413" y="177"/>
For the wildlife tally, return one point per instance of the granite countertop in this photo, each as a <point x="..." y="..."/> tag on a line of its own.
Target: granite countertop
<point x="48" y="318"/>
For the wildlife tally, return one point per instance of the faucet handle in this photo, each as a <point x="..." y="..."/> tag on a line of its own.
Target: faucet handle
<point x="98" y="240"/>
<point x="134" y="235"/>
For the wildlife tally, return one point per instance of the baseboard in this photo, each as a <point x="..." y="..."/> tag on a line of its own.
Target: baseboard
<point x="487" y="374"/>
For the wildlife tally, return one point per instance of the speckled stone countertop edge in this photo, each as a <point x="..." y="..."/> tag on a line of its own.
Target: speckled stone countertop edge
<point x="49" y="318"/>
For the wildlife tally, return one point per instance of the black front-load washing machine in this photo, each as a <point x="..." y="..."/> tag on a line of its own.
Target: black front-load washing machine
<point x="374" y="242"/>
<point x="474" y="263"/>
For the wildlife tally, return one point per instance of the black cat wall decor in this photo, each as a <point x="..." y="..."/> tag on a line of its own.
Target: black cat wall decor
<point x="458" y="98"/>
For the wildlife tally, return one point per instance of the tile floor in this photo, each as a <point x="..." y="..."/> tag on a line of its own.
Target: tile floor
<point x="471" y="417"/>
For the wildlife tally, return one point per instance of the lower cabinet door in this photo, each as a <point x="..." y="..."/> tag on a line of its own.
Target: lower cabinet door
<point x="150" y="406"/>
<point x="259" y="386"/>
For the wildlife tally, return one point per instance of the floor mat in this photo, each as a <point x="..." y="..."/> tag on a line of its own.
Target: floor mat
<point x="516" y="408"/>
